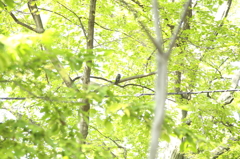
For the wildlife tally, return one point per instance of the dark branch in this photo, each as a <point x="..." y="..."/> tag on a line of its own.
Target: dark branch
<point x="101" y="78"/>
<point x="138" y="85"/>
<point x="138" y="3"/>
<point x="21" y="23"/>
<point x="220" y="152"/>
<point x="122" y="80"/>
<point x="119" y="146"/>
<point x="137" y="76"/>
<point x="199" y="92"/>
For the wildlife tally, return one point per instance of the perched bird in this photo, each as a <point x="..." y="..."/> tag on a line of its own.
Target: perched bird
<point x="117" y="79"/>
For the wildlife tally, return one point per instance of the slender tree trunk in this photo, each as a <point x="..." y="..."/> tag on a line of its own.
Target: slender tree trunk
<point x="84" y="110"/>
<point x="161" y="83"/>
<point x="175" y="153"/>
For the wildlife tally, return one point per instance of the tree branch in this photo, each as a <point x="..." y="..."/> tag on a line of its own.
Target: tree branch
<point x="79" y="19"/>
<point x="138" y="85"/>
<point x="146" y="30"/>
<point x="136" y="77"/>
<point x="101" y="78"/>
<point x="122" y="80"/>
<point x="119" y="146"/>
<point x="55" y="13"/>
<point x="21" y="23"/>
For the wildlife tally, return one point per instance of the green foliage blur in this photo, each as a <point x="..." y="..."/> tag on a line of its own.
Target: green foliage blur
<point x="46" y="124"/>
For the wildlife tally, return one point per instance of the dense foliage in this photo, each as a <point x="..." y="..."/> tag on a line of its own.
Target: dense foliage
<point x="47" y="110"/>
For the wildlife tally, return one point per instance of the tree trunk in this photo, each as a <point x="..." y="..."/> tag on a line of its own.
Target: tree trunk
<point x="84" y="110"/>
<point x="161" y="83"/>
<point x="175" y="153"/>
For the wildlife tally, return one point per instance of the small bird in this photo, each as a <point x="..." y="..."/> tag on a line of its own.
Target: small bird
<point x="117" y="79"/>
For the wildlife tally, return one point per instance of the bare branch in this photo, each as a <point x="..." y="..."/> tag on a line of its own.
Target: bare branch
<point x="201" y="92"/>
<point x="138" y="85"/>
<point x="138" y="3"/>
<point x="21" y="23"/>
<point x="119" y="146"/>
<point x="122" y="80"/>
<point x="136" y="77"/>
<point x="101" y="78"/>
<point x="149" y="58"/>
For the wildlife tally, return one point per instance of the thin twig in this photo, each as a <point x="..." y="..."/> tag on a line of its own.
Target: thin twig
<point x="21" y="23"/>
<point x="138" y="85"/>
<point x="79" y="19"/>
<point x="122" y="80"/>
<point x="146" y="30"/>
<point x="119" y="146"/>
<point x="137" y="76"/>
<point x="55" y="13"/>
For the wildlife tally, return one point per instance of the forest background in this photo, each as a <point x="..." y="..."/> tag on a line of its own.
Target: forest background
<point x="60" y="63"/>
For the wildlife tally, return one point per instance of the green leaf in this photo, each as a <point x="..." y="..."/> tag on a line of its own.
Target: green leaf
<point x="10" y="3"/>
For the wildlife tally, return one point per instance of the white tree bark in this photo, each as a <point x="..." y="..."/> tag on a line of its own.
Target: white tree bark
<point x="161" y="83"/>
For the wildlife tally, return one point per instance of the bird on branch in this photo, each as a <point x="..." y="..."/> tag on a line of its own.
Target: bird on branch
<point x="117" y="79"/>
